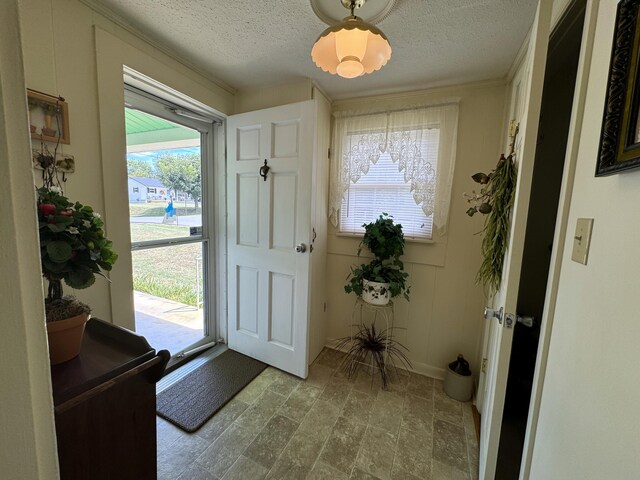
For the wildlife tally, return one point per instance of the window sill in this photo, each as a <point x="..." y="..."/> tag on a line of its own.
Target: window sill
<point x="358" y="236"/>
<point x="430" y="252"/>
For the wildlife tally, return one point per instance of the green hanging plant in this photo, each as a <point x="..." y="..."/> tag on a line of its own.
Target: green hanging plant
<point x="495" y="200"/>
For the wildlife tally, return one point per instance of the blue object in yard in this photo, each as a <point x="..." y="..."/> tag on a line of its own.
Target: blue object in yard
<point x="171" y="211"/>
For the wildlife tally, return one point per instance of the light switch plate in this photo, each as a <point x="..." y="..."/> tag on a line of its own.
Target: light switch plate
<point x="581" y="240"/>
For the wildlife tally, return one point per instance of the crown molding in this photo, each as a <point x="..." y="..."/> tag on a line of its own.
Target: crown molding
<point x="416" y="91"/>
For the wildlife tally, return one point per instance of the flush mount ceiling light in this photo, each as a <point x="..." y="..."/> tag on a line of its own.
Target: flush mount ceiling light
<point x="351" y="48"/>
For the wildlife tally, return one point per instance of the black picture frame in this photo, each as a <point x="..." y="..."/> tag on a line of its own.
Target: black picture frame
<point x="620" y="137"/>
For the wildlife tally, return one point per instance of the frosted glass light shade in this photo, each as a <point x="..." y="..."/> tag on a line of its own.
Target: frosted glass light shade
<point x="351" y="43"/>
<point x="351" y="48"/>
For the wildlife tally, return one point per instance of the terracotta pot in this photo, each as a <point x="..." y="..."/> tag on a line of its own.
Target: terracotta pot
<point x="375" y="293"/>
<point x="65" y="338"/>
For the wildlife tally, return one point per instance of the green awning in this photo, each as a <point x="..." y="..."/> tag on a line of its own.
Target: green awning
<point x="142" y="129"/>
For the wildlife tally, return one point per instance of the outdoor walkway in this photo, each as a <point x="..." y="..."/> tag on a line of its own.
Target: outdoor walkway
<point x="167" y="324"/>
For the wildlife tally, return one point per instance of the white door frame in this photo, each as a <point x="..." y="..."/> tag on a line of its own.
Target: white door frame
<point x="144" y="101"/>
<point x="28" y="409"/>
<point x="506" y="297"/>
<point x="561" y="232"/>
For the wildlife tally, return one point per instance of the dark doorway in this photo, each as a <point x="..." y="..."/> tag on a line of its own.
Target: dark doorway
<point x="557" y="102"/>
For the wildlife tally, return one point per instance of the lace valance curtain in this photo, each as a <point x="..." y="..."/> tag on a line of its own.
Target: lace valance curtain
<point x="359" y="140"/>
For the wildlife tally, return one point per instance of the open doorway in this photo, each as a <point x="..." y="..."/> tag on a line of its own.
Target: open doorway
<point x="167" y="159"/>
<point x="557" y="102"/>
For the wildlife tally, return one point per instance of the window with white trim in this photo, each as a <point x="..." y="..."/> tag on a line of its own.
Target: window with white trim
<point x="400" y="163"/>
<point x="385" y="188"/>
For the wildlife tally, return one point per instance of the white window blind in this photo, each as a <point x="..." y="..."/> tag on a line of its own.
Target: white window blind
<point x="384" y="188"/>
<point x="398" y="162"/>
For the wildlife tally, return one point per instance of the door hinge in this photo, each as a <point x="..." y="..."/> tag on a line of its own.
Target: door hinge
<point x="484" y="365"/>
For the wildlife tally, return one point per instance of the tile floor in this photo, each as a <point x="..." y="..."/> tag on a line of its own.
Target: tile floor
<point x="327" y="427"/>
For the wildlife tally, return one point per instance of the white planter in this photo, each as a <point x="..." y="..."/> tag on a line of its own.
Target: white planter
<point x="375" y="293"/>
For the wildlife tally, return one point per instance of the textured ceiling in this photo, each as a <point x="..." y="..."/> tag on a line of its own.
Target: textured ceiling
<point x="257" y="43"/>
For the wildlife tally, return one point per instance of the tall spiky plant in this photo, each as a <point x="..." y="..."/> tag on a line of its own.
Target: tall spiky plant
<point x="383" y="349"/>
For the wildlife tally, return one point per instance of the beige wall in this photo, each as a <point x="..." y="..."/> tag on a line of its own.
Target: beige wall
<point x="557" y="10"/>
<point x="588" y="424"/>
<point x="27" y="438"/>
<point x="444" y="316"/>
<point x="62" y="57"/>
<point x="259" y="98"/>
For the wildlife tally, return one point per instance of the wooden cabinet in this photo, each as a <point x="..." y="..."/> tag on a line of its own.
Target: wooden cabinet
<point x="105" y="406"/>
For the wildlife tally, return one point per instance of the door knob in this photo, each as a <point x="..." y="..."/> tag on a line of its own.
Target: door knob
<point x="301" y="248"/>
<point x="526" y="321"/>
<point x="490" y="313"/>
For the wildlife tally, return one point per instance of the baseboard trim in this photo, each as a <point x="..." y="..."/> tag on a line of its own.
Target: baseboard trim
<point x="476" y="421"/>
<point x="420" y="368"/>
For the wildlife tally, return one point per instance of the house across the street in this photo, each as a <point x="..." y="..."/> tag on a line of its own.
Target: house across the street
<point x="142" y="189"/>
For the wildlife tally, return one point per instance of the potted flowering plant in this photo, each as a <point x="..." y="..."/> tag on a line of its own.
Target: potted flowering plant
<point x="73" y="248"/>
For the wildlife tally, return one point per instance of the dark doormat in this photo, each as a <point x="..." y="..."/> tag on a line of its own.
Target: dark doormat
<point x="194" y="399"/>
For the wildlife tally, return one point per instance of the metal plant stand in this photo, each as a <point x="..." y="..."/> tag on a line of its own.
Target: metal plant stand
<point x="386" y="314"/>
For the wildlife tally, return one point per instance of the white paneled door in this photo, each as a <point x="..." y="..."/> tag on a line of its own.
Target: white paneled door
<point x="269" y="230"/>
<point x="526" y="97"/>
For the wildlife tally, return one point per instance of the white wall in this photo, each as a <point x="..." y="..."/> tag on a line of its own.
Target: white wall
<point x="27" y="438"/>
<point x="444" y="316"/>
<point x="66" y="48"/>
<point x="588" y="426"/>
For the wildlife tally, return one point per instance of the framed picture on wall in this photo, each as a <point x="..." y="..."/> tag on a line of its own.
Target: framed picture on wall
<point x="620" y="138"/>
<point x="48" y="117"/>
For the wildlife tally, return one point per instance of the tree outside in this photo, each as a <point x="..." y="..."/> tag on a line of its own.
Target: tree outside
<point x="140" y="168"/>
<point x="180" y="173"/>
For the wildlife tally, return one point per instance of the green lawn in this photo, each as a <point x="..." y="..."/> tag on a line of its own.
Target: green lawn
<point x="141" y="232"/>
<point x="166" y="272"/>
<point x="156" y="209"/>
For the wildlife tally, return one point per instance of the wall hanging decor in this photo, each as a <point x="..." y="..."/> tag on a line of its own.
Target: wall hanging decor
<point x="620" y="137"/>
<point x="495" y="200"/>
<point x="48" y="117"/>
<point x="43" y="157"/>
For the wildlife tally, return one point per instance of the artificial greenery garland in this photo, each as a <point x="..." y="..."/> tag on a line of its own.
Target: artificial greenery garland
<point x="496" y="201"/>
